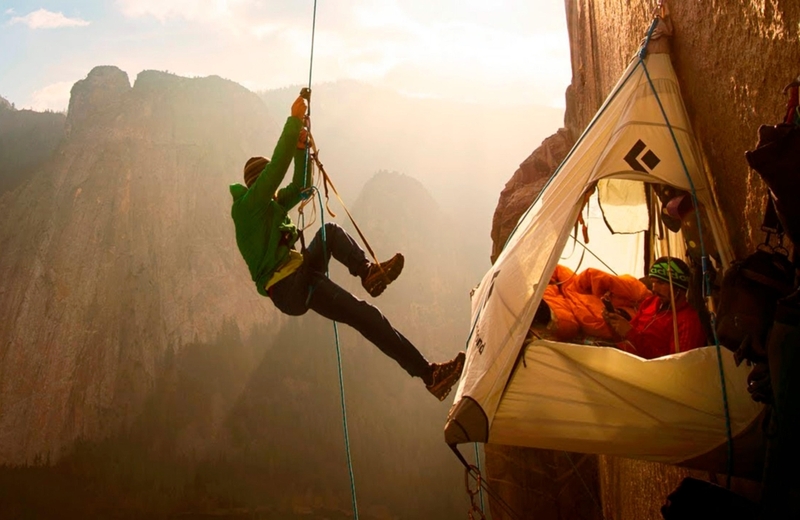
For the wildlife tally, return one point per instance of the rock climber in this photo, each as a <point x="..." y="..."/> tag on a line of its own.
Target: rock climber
<point x="295" y="280"/>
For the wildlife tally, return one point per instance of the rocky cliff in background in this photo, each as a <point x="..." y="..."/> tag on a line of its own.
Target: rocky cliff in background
<point x="527" y="182"/>
<point x="732" y="60"/>
<point x="27" y="140"/>
<point x="119" y="250"/>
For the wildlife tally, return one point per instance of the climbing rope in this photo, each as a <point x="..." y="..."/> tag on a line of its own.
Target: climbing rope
<point x="476" y="512"/>
<point x="306" y="93"/>
<point x="312" y="152"/>
<point x="340" y="372"/>
<point x="704" y="258"/>
<point x="311" y="57"/>
<point x="478" y="463"/>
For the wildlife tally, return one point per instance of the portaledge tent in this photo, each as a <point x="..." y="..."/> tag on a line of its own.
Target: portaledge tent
<point x="583" y="398"/>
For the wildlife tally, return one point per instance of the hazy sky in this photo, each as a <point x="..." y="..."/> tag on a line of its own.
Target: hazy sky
<point x="506" y="51"/>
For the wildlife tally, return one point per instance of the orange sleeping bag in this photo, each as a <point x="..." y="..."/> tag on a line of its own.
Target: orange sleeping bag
<point x="575" y="302"/>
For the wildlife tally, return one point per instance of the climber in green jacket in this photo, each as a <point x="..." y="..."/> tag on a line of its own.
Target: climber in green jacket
<point x="295" y="281"/>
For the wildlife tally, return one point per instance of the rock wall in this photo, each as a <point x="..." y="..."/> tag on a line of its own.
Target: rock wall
<point x="733" y="60"/>
<point x="526" y="184"/>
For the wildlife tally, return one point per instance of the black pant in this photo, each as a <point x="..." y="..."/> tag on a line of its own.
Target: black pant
<point x="309" y="288"/>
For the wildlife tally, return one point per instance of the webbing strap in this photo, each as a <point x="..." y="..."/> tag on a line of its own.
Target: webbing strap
<point x="327" y="182"/>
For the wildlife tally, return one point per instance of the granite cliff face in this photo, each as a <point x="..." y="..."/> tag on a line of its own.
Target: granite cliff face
<point x="118" y="250"/>
<point x="526" y="183"/>
<point x="732" y="60"/>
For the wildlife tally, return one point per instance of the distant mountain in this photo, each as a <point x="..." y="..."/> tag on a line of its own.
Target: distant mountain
<point x="397" y="213"/>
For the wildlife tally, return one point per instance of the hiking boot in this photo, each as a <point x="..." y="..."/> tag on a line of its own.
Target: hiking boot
<point x="445" y="375"/>
<point x="378" y="276"/>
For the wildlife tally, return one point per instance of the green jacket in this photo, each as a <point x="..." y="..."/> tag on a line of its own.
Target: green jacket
<point x="261" y="219"/>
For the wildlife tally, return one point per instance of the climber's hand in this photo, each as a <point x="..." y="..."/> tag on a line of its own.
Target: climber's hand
<point x="299" y="108"/>
<point x="617" y="323"/>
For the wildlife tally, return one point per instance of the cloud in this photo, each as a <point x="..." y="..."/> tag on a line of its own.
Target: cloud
<point x="226" y="13"/>
<point x="52" y="97"/>
<point x="44" y="19"/>
<point x="200" y="10"/>
<point x="254" y="19"/>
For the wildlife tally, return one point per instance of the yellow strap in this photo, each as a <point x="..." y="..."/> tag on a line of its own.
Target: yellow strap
<point x="291" y="265"/>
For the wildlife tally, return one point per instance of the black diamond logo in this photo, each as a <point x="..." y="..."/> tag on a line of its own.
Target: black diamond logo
<point x="649" y="159"/>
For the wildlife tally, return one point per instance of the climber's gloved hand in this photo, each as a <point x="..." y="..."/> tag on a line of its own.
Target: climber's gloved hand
<point x="299" y="108"/>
